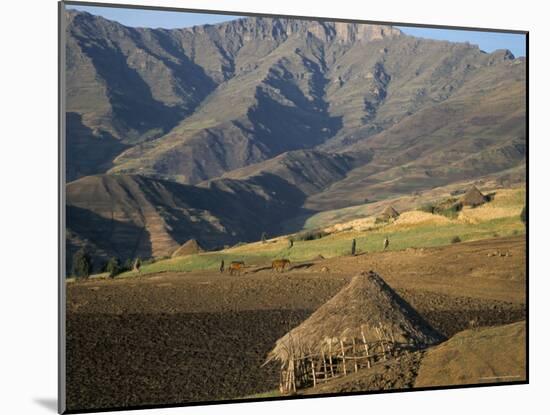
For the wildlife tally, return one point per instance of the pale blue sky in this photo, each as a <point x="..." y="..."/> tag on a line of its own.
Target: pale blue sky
<point x="487" y="41"/>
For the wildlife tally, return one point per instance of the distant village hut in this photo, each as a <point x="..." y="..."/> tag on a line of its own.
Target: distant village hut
<point x="389" y="213"/>
<point x="188" y="248"/>
<point x="365" y="323"/>
<point x="473" y="197"/>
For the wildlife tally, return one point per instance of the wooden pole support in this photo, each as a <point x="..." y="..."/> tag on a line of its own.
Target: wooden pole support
<point x="313" y="373"/>
<point x="330" y="358"/>
<point x="366" y="347"/>
<point x="354" y="360"/>
<point x="343" y="357"/>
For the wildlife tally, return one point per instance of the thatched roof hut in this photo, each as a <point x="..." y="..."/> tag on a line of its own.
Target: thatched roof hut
<point x="188" y="248"/>
<point x="388" y="213"/>
<point x="362" y="310"/>
<point x="473" y="197"/>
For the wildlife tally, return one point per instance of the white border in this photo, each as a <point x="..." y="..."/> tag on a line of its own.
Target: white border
<point x="29" y="203"/>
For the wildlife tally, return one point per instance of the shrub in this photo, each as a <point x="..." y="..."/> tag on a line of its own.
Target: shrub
<point x="455" y="239"/>
<point x="429" y="208"/>
<point x="451" y="212"/>
<point x="448" y="208"/>
<point x="310" y="235"/>
<point x="82" y="264"/>
<point x="113" y="267"/>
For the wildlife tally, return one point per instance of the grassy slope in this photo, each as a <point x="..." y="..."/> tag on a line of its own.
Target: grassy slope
<point x="497" y="218"/>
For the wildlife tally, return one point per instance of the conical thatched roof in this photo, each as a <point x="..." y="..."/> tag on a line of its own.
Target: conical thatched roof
<point x="366" y="304"/>
<point x="188" y="248"/>
<point x="389" y="213"/>
<point x="473" y="197"/>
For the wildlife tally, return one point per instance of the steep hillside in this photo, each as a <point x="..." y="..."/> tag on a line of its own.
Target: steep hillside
<point x="310" y="171"/>
<point x="222" y="132"/>
<point x="134" y="216"/>
<point x="192" y="104"/>
<point x="479" y="131"/>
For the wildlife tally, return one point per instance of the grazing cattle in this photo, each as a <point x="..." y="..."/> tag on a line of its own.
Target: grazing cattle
<point x="279" y="265"/>
<point x="236" y="267"/>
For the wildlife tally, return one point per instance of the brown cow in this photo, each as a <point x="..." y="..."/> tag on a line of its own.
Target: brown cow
<point x="236" y="266"/>
<point x="279" y="265"/>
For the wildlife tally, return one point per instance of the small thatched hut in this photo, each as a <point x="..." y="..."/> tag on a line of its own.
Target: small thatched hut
<point x="388" y="213"/>
<point x="188" y="248"/>
<point x="473" y="197"/>
<point x="364" y="323"/>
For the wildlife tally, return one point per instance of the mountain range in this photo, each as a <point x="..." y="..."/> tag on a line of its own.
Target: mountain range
<point x="221" y="132"/>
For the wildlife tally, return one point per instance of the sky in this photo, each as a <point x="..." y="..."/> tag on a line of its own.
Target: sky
<point x="487" y="41"/>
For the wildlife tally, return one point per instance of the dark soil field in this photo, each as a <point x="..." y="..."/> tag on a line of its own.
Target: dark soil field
<point x="181" y="337"/>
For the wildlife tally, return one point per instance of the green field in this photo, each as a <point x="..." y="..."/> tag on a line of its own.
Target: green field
<point x="498" y="218"/>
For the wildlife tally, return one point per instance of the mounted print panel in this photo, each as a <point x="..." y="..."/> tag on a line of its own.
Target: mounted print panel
<point x="275" y="207"/>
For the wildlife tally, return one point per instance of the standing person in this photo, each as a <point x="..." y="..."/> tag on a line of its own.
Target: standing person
<point x="386" y="242"/>
<point x="353" y="245"/>
<point x="222" y="266"/>
<point x="137" y="265"/>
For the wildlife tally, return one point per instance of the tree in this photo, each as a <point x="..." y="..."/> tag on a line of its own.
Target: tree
<point x="523" y="215"/>
<point x="128" y="264"/>
<point x="82" y="264"/>
<point x="353" y="245"/>
<point x="113" y="267"/>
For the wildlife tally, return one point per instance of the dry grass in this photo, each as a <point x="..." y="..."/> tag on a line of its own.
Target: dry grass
<point x="360" y="225"/>
<point x="259" y="247"/>
<point x="415" y="217"/>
